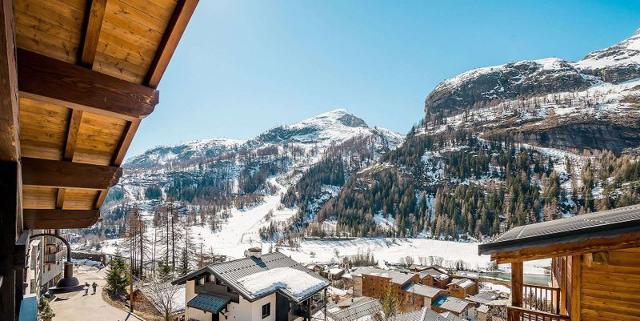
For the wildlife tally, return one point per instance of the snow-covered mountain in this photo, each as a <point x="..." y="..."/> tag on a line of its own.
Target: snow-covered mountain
<point x="220" y="181"/>
<point x="508" y="145"/>
<point x="548" y="102"/>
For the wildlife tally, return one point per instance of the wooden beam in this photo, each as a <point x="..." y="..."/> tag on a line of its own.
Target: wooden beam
<point x="576" y="286"/>
<point x="60" y="198"/>
<point x="70" y="85"/>
<point x="91" y="32"/>
<point x="594" y="244"/>
<point x="52" y="173"/>
<point x="59" y="219"/>
<point x="102" y="195"/>
<point x="125" y="142"/>
<point x="9" y="140"/>
<point x="177" y="24"/>
<point x="73" y="126"/>
<point x="72" y="134"/>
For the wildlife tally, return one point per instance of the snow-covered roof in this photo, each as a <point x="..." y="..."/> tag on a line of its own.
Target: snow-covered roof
<point x="463" y="283"/>
<point x="358" y="309"/>
<point x="295" y="284"/>
<point x="395" y="276"/>
<point x="419" y="315"/>
<point x="452" y="304"/>
<point x="423" y="290"/>
<point x="240" y="275"/>
<point x="434" y="272"/>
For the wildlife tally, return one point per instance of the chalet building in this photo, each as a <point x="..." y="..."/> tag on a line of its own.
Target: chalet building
<point x="356" y="276"/>
<point x="461" y="288"/>
<point x="458" y="307"/>
<point x="435" y="276"/>
<point x="258" y="287"/>
<point x="376" y="283"/>
<point x="76" y="80"/>
<point x="595" y="267"/>
<point x="418" y="296"/>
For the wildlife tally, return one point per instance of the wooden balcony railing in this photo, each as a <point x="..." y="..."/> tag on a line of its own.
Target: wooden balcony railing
<point x="521" y="314"/>
<point x="541" y="298"/>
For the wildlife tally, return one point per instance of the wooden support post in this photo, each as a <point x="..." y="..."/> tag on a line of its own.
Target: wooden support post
<point x="564" y="291"/>
<point x="517" y="281"/>
<point x="576" y="285"/>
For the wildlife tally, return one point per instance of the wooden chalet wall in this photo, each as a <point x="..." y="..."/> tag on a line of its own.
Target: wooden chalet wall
<point x="610" y="286"/>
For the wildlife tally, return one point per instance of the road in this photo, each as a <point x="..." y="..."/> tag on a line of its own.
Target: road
<point x="92" y="307"/>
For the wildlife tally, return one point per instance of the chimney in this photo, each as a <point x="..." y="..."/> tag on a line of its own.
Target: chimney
<point x="253" y="252"/>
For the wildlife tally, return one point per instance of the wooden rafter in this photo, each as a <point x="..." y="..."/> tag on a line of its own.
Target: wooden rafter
<point x="49" y="79"/>
<point x="73" y="126"/>
<point x="118" y="158"/>
<point x="123" y="145"/>
<point x="59" y="219"/>
<point x="91" y="32"/>
<point x="57" y="174"/>
<point x="178" y="23"/>
<point x="9" y="141"/>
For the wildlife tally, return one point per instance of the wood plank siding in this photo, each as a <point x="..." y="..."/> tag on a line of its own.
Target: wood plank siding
<point x="610" y="286"/>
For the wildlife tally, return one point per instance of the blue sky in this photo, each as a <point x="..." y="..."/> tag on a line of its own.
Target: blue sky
<point x="244" y="66"/>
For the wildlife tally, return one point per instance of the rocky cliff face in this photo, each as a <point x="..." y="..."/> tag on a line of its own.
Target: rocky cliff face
<point x="592" y="103"/>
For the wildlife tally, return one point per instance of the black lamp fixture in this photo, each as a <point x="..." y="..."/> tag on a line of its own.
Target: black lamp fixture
<point x="68" y="284"/>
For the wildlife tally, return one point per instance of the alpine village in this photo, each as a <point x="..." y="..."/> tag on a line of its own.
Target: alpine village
<point x="515" y="197"/>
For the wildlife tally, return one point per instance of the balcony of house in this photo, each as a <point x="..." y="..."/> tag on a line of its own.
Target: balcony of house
<point x="308" y="307"/>
<point x="594" y="267"/>
<point x="538" y="302"/>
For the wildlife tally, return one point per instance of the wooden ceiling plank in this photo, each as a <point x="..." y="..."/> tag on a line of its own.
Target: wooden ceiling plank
<point x="177" y="24"/>
<point x="9" y="108"/>
<point x="93" y="25"/>
<point x="53" y="80"/>
<point x="59" y="219"/>
<point x="52" y="173"/>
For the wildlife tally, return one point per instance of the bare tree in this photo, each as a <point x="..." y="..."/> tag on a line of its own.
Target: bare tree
<point x="163" y="295"/>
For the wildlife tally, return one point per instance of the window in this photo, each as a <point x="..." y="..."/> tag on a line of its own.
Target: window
<point x="266" y="310"/>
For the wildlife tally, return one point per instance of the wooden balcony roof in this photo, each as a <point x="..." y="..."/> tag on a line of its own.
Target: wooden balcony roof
<point x="611" y="229"/>
<point x="85" y="74"/>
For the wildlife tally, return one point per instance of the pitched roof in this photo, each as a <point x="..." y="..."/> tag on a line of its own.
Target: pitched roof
<point x="437" y="273"/>
<point x="395" y="276"/>
<point x="420" y="315"/>
<point x="365" y="270"/>
<point x="422" y="290"/>
<point x="360" y="309"/>
<point x="209" y="302"/>
<point x="231" y="272"/>
<point x="462" y="282"/>
<point x="566" y="230"/>
<point x="452" y="304"/>
<point x="484" y="297"/>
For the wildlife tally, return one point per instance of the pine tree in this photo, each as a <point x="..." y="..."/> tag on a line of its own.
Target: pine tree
<point x="117" y="276"/>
